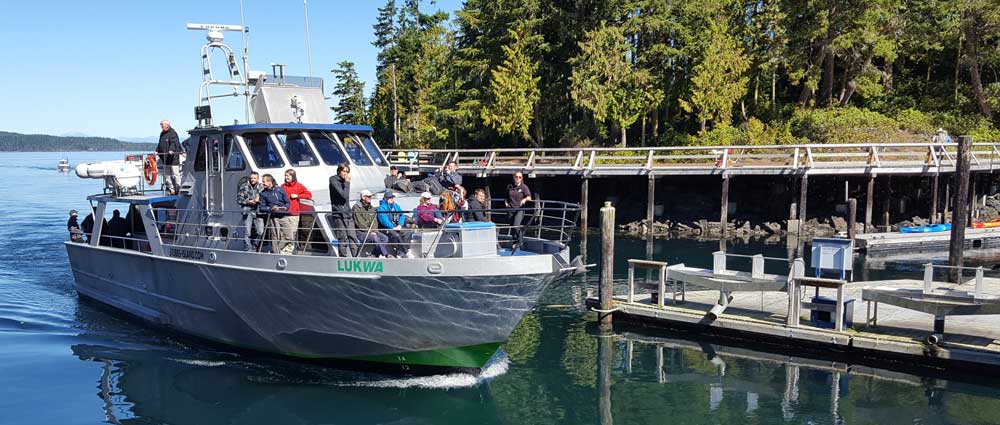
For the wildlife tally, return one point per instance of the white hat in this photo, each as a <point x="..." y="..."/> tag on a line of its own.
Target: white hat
<point x="940" y="130"/>
<point x="366" y="192"/>
<point x="425" y="195"/>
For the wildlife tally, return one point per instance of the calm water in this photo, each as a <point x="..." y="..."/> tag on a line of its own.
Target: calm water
<point x="66" y="361"/>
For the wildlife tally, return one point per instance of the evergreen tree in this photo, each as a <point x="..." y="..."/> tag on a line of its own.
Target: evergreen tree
<point x="719" y="80"/>
<point x="513" y="90"/>
<point x="607" y="84"/>
<point x="350" y="92"/>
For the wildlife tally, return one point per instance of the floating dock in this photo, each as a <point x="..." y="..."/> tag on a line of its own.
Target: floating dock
<point x="898" y="334"/>
<point x="917" y="242"/>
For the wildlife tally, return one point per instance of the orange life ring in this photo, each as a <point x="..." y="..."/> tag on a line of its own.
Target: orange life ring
<point x="149" y="169"/>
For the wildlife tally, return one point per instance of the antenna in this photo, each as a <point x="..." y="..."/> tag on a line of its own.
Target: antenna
<point x="305" y="7"/>
<point x="246" y="63"/>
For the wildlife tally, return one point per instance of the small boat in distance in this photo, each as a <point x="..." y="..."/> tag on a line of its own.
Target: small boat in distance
<point x="63" y="165"/>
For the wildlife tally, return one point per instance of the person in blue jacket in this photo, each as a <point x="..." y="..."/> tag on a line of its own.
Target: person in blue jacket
<point x="274" y="205"/>
<point x="393" y="221"/>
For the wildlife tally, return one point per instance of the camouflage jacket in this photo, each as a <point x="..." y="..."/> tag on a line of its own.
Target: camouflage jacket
<point x="247" y="192"/>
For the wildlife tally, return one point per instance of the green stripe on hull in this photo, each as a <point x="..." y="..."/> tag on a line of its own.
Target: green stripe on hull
<point x="471" y="356"/>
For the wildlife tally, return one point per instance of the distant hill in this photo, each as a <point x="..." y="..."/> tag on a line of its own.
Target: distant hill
<point x="16" y="142"/>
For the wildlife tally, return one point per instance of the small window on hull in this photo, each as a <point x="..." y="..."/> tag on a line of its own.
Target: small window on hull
<point x="264" y="154"/>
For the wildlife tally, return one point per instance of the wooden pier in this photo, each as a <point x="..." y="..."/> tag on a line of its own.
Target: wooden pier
<point x="875" y="161"/>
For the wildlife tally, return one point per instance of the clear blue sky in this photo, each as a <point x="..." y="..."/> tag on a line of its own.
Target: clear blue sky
<point x="115" y="68"/>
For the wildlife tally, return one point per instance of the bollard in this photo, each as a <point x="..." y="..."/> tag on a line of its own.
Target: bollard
<point x="959" y="215"/>
<point x="606" y="290"/>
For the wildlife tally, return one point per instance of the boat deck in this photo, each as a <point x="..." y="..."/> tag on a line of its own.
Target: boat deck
<point x="900" y="332"/>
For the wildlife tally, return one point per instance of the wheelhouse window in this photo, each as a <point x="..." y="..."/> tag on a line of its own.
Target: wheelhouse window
<point x="264" y="154"/>
<point x="216" y="152"/>
<point x="354" y="149"/>
<point x="328" y="148"/>
<point x="372" y="149"/>
<point x="234" y="155"/>
<point x="297" y="150"/>
<point x="200" y="156"/>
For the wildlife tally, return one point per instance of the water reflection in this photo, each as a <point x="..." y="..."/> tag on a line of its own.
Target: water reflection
<point x="696" y="381"/>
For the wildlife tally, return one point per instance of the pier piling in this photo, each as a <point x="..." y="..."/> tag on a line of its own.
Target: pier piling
<point x="852" y="213"/>
<point x="887" y="203"/>
<point x="650" y="203"/>
<point x="606" y="290"/>
<point x="959" y="216"/>
<point x="934" y="199"/>
<point x="803" y="192"/>
<point x="724" y="210"/>
<point x="584" y="198"/>
<point x="869" y="203"/>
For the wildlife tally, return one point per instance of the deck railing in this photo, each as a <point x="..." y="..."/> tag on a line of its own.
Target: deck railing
<point x="543" y="221"/>
<point x="765" y="159"/>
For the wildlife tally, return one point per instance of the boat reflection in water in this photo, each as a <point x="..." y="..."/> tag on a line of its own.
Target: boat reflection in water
<point x="200" y="386"/>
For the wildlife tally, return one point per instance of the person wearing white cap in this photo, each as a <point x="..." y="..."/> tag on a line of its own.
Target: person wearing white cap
<point x="428" y="215"/>
<point x="75" y="234"/>
<point x="365" y="228"/>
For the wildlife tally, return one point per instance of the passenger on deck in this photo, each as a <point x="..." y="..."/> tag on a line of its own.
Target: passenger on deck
<point x="248" y="196"/>
<point x="393" y="222"/>
<point x="428" y="216"/>
<point x="450" y="177"/>
<point x="518" y="195"/>
<point x="448" y="208"/>
<point x="366" y="228"/>
<point x="169" y="150"/>
<point x="393" y="179"/>
<point x="75" y="234"/>
<point x="274" y="204"/>
<point x="117" y="229"/>
<point x="340" y="218"/>
<point x="476" y="206"/>
<point x="88" y="226"/>
<point x="296" y="191"/>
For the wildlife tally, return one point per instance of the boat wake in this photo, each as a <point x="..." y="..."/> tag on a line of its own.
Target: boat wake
<point x="498" y="366"/>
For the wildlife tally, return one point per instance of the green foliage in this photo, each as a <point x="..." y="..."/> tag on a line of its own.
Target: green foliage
<point x="607" y="84"/>
<point x="719" y="81"/>
<point x="505" y="72"/>
<point x="842" y="125"/>
<point x="513" y="89"/>
<point x="15" y="142"/>
<point x="350" y="92"/>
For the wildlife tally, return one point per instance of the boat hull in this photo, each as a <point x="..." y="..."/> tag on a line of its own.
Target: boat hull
<point x="455" y="320"/>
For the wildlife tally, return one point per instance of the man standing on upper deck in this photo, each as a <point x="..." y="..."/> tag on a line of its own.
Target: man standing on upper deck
<point x="169" y="150"/>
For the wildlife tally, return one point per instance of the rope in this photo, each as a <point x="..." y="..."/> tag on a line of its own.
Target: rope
<point x="605" y="311"/>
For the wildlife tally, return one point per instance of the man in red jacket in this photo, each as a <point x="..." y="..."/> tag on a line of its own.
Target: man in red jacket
<point x="296" y="192"/>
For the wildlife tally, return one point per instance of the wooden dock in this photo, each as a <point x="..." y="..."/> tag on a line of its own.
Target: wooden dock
<point x="922" y="242"/>
<point x="970" y="341"/>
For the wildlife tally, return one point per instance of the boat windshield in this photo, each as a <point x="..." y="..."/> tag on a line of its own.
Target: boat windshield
<point x="372" y="149"/>
<point x="328" y="148"/>
<point x="263" y="151"/>
<point x="354" y="149"/>
<point x="297" y="149"/>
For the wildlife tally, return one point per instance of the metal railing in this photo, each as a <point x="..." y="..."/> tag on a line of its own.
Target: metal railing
<point x="548" y="221"/>
<point x="765" y="159"/>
